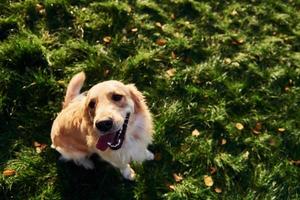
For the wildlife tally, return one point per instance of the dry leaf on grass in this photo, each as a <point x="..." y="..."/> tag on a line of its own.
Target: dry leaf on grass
<point x="234" y="13"/>
<point x="9" y="172"/>
<point x="235" y="64"/>
<point x="223" y="141"/>
<point x="238" y="41"/>
<point x="134" y="30"/>
<point x="40" y="9"/>
<point x="158" y="24"/>
<point x="170" y="72"/>
<point x="173" y="55"/>
<point x="208" y="181"/>
<point x="258" y="126"/>
<point x="281" y="130"/>
<point x="218" y="190"/>
<point x="161" y="42"/>
<point x="173" y="16"/>
<point x="295" y="162"/>
<point x="239" y="126"/>
<point x="107" y="39"/>
<point x="106" y="72"/>
<point x="195" y="133"/>
<point x="256" y="130"/>
<point x="212" y="170"/>
<point x="170" y="186"/>
<point x="39" y="147"/>
<point x="227" y="61"/>
<point x="287" y="88"/>
<point x="246" y="155"/>
<point x="177" y="177"/>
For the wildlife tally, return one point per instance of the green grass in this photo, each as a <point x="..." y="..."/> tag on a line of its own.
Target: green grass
<point x="202" y="65"/>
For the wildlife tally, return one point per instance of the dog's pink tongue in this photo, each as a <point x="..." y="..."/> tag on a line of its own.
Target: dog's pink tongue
<point x="103" y="140"/>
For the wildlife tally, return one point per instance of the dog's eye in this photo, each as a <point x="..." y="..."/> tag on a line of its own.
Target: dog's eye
<point x="92" y="104"/>
<point x="116" y="97"/>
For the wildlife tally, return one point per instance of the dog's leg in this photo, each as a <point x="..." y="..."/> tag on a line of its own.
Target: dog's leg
<point x="85" y="162"/>
<point x="149" y="155"/>
<point x="123" y="165"/>
<point x="78" y="157"/>
<point x="127" y="172"/>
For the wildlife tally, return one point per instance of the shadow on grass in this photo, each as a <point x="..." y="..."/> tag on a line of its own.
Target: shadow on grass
<point x="103" y="182"/>
<point x="106" y="182"/>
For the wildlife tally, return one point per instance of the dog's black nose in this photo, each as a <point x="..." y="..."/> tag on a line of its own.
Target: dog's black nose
<point x="104" y="125"/>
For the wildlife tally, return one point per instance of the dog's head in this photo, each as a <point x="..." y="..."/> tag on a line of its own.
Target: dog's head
<point x="106" y="108"/>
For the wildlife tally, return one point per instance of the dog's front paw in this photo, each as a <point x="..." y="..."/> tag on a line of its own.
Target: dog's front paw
<point x="128" y="173"/>
<point x="86" y="163"/>
<point x="149" y="155"/>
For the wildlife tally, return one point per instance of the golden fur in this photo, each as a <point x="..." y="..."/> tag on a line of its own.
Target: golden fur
<point x="74" y="134"/>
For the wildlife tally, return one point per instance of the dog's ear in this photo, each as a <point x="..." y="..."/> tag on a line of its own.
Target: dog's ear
<point x="137" y="97"/>
<point x="88" y="112"/>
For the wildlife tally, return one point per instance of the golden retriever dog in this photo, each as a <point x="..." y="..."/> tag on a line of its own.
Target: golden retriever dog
<point x="111" y="119"/>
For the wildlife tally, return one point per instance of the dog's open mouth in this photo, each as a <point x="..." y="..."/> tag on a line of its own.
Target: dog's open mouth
<point x="113" y="140"/>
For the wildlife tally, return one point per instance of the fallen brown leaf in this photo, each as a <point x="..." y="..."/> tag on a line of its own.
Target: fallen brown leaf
<point x="40" y="8"/>
<point x="107" y="39"/>
<point x="295" y="162"/>
<point x="106" y="72"/>
<point x="173" y="55"/>
<point x="223" y="141"/>
<point x="239" y="126"/>
<point x="39" y="147"/>
<point x="258" y="126"/>
<point x="158" y="24"/>
<point x="256" y="130"/>
<point x="134" y="30"/>
<point x="177" y="177"/>
<point x="235" y="64"/>
<point x="36" y="144"/>
<point x="218" y="190"/>
<point x="195" y="133"/>
<point x="161" y="42"/>
<point x="246" y="155"/>
<point x="9" y="172"/>
<point x="212" y="170"/>
<point x="208" y="181"/>
<point x="173" y="16"/>
<point x="170" y="72"/>
<point x="227" y="61"/>
<point x="234" y="13"/>
<point x="170" y="186"/>
<point x="287" y="88"/>
<point x="238" y="41"/>
<point x="281" y="130"/>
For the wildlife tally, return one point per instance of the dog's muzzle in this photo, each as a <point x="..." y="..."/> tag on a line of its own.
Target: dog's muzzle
<point x="113" y="140"/>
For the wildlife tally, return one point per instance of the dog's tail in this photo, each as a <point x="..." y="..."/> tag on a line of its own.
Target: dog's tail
<point x="74" y="88"/>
